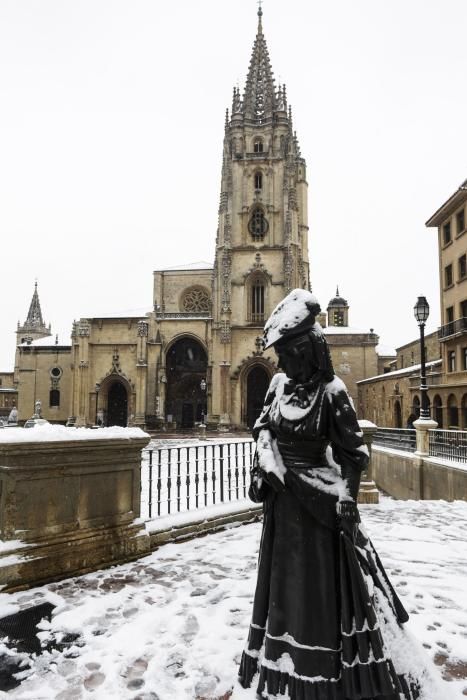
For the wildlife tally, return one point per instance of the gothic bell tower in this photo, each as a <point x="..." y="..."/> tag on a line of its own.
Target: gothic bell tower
<point x="262" y="237"/>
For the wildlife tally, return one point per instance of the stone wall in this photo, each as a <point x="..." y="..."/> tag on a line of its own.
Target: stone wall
<point x="68" y="505"/>
<point x="404" y="475"/>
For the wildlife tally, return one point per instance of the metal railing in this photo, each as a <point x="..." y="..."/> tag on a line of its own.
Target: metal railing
<point x="453" y="327"/>
<point x="398" y="438"/>
<point x="176" y="479"/>
<point x="448" y="444"/>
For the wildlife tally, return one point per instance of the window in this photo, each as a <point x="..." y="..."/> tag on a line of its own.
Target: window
<point x="462" y="266"/>
<point x="451" y="361"/>
<point x="463" y="308"/>
<point x="338" y="318"/>
<point x="258" y="146"/>
<point x="54" y="398"/>
<point x="464" y="358"/>
<point x="195" y="300"/>
<point x="460" y="221"/>
<point x="447" y="233"/>
<point x="450" y="319"/>
<point x="448" y="275"/>
<point x="257" y="301"/>
<point x="258" y="225"/>
<point x="259" y="182"/>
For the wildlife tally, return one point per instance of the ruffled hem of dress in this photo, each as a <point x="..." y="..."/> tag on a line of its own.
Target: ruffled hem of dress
<point x="247" y="670"/>
<point x="376" y="680"/>
<point x="359" y="683"/>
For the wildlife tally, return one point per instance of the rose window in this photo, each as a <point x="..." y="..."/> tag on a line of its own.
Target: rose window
<point x="195" y="300"/>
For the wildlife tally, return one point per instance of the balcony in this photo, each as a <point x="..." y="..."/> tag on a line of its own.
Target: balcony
<point x="453" y="328"/>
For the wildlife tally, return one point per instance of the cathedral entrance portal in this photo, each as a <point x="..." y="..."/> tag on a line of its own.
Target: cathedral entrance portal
<point x="117" y="405"/>
<point x="186" y="367"/>
<point x="257" y="383"/>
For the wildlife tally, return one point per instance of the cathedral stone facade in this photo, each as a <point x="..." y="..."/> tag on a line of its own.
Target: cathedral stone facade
<point x="197" y="355"/>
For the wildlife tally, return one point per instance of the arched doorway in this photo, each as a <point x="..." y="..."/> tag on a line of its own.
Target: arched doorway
<point x="257" y="383"/>
<point x="186" y="367"/>
<point x="464" y="412"/>
<point x="397" y="414"/>
<point x="438" y="410"/>
<point x="416" y="407"/>
<point x="117" y="405"/>
<point x="453" y="412"/>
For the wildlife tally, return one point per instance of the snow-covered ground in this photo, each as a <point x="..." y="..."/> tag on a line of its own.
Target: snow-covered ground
<point x="172" y="625"/>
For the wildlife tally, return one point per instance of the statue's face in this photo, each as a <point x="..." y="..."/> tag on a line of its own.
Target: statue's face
<point x="296" y="359"/>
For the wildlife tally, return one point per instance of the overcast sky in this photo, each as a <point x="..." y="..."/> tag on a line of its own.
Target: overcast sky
<point x="111" y="127"/>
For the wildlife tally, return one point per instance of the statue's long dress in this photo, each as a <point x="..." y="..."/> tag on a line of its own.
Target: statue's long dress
<point x="325" y="617"/>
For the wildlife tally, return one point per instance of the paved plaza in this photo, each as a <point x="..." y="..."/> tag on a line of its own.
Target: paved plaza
<point x="172" y="625"/>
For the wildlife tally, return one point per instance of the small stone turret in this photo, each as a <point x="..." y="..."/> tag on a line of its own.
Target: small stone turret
<point x="338" y="311"/>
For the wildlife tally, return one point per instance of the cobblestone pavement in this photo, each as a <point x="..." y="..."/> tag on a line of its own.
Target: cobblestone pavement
<point x="172" y="625"/>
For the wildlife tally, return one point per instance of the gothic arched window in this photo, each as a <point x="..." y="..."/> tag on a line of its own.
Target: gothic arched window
<point x="258" y="181"/>
<point x="258" y="146"/>
<point x="257" y="301"/>
<point x="258" y="226"/>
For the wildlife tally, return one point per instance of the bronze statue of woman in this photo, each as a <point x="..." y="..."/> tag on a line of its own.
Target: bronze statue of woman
<point x="327" y="624"/>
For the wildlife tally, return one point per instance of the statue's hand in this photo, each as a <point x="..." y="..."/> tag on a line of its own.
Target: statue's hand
<point x="274" y="482"/>
<point x="348" y="518"/>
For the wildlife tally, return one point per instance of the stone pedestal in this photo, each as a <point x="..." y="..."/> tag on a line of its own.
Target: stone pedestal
<point x="368" y="492"/>
<point x="422" y="426"/>
<point x="69" y="506"/>
<point x="224" y="423"/>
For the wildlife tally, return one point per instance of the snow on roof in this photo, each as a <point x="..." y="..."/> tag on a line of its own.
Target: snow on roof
<point x="131" y="313"/>
<point x="59" y="433"/>
<point x="344" y="330"/>
<point x="199" y="265"/>
<point x="385" y="350"/>
<point x="401" y="372"/>
<point x="46" y="342"/>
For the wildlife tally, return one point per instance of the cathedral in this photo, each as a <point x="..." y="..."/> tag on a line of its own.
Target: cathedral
<point x="197" y="357"/>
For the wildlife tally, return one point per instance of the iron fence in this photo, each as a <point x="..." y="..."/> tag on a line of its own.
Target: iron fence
<point x="179" y="478"/>
<point x="398" y="438"/>
<point x="448" y="444"/>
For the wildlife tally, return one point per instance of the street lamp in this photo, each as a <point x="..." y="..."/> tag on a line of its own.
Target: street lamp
<point x="203" y="386"/>
<point x="421" y="313"/>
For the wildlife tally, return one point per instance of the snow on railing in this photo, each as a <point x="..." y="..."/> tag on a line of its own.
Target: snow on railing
<point x="398" y="438"/>
<point x="449" y="444"/>
<point x="180" y="478"/>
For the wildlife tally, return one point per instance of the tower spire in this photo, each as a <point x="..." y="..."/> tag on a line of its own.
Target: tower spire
<point x="34" y="318"/>
<point x="34" y="326"/>
<point x="259" y="100"/>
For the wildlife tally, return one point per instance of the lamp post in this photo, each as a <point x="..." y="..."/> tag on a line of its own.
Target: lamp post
<point x="98" y="386"/>
<point x="203" y="386"/>
<point x="202" y="428"/>
<point x="421" y="313"/>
